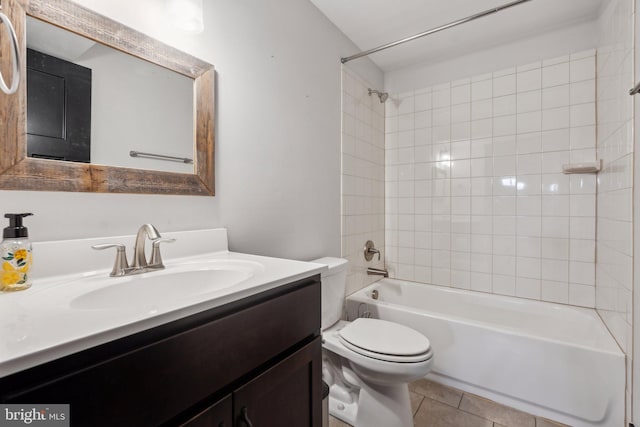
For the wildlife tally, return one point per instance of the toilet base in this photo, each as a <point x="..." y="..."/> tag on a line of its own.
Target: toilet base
<point x="344" y="409"/>
<point x="372" y="406"/>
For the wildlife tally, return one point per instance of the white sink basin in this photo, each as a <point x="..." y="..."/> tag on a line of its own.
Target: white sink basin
<point x="152" y="290"/>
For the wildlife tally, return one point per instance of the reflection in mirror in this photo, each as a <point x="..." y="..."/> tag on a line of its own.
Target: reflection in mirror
<point x="87" y="102"/>
<point x="159" y="110"/>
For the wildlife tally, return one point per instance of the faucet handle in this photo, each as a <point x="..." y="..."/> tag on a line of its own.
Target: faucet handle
<point x="120" y="265"/>
<point x="370" y="250"/>
<point x="156" y="258"/>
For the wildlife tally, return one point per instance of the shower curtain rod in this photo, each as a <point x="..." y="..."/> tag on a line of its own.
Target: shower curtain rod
<point x="433" y="30"/>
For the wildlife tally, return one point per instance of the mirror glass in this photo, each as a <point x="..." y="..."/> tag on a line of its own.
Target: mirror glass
<point x="90" y="103"/>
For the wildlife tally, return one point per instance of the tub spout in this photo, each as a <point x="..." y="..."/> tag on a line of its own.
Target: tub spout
<point x="377" y="272"/>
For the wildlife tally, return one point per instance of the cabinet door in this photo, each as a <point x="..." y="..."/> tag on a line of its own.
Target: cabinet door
<point x="216" y="415"/>
<point x="58" y="109"/>
<point x="289" y="394"/>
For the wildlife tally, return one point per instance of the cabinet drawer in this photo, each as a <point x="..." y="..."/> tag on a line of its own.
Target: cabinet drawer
<point x="152" y="384"/>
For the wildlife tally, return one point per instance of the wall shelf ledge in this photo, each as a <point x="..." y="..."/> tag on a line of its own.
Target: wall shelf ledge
<point x="586" y="167"/>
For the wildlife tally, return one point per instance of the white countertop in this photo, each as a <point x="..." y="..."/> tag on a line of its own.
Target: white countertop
<point x="43" y="323"/>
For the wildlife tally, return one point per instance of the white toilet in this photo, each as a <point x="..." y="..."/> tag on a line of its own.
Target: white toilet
<point x="368" y="362"/>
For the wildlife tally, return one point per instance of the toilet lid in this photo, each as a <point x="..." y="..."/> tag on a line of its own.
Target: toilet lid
<point x="385" y="338"/>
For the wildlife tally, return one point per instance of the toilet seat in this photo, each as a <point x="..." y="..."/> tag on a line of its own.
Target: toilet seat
<point x="386" y="341"/>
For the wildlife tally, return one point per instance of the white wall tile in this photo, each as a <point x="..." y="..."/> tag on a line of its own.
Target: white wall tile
<point x="583" y="114"/>
<point x="481" y="129"/>
<point x="555" y="140"/>
<point x="481" y="90"/>
<point x="504" y="285"/>
<point x="504" y="85"/>
<point x="555" y="205"/>
<point x="528" y="288"/>
<point x="504" y="105"/>
<point x="528" y="246"/>
<point x="504" y="145"/>
<point x="529" y="80"/>
<point x="422" y="102"/>
<point x="529" y="122"/>
<point x="529" y="101"/>
<point x="554" y="183"/>
<point x="555" y="270"/>
<point x="529" y="164"/>
<point x="363" y="167"/>
<point x="475" y="189"/>
<point x="461" y="94"/>
<point x="556" y="96"/>
<point x="555" y="118"/>
<point x="528" y="67"/>
<point x="406" y="105"/>
<point x="555" y="75"/>
<point x="582" y="250"/>
<point x="583" y="54"/>
<point x="555" y="291"/>
<point x="583" y="137"/>
<point x="482" y="109"/>
<point x="583" y="228"/>
<point x="440" y="98"/>
<point x="581" y="295"/>
<point x="504" y="205"/>
<point x="504" y="72"/>
<point x="556" y="60"/>
<point x="583" y="91"/>
<point x="461" y="113"/>
<point x="583" y="69"/>
<point x="555" y="248"/>
<point x="552" y="161"/>
<point x="504" y="125"/>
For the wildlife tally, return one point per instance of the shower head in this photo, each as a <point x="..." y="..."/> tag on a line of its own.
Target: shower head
<point x="382" y="95"/>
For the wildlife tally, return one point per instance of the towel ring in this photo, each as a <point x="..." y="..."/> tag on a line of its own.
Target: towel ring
<point x="15" y="54"/>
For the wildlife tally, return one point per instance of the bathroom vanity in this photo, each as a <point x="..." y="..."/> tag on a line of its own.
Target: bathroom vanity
<point x="249" y="354"/>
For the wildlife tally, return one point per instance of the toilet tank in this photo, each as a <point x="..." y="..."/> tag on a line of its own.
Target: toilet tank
<point x="334" y="285"/>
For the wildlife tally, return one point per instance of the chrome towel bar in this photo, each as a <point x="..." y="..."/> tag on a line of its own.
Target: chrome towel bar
<point x="160" y="157"/>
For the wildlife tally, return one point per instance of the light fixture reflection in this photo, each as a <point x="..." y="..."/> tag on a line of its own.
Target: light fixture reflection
<point x="186" y="15"/>
<point x="511" y="181"/>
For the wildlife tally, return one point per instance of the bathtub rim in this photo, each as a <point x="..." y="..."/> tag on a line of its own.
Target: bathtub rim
<point x="614" y="349"/>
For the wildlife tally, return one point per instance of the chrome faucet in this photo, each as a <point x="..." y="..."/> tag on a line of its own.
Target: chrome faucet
<point x="140" y="265"/>
<point x="139" y="257"/>
<point x="377" y="272"/>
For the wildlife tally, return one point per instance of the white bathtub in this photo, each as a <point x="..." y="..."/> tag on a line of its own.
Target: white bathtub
<point x="551" y="360"/>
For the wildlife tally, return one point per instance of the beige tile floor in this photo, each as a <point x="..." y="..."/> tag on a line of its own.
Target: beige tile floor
<point x="435" y="405"/>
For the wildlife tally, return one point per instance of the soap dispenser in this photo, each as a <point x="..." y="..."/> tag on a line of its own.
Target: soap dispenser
<point x="15" y="250"/>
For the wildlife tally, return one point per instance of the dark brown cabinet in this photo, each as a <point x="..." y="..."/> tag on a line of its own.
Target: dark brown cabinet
<point x="283" y="395"/>
<point x="220" y="414"/>
<point x="280" y="396"/>
<point x="58" y="109"/>
<point x="254" y="362"/>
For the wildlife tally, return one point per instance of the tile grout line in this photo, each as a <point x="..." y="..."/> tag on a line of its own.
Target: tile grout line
<point x="460" y="401"/>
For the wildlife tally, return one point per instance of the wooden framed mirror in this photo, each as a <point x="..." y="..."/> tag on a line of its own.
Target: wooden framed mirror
<point x="20" y="172"/>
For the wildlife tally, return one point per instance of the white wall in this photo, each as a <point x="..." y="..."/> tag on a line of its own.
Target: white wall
<point x="277" y="134"/>
<point x="551" y="44"/>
